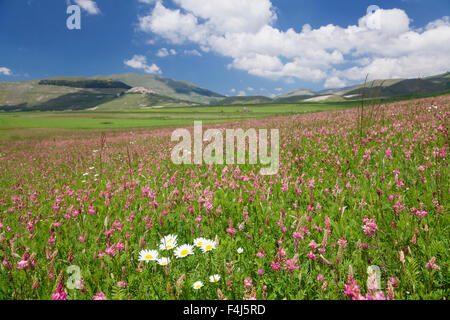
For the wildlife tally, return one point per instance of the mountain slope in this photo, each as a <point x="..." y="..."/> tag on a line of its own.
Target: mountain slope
<point x="53" y="95"/>
<point x="182" y="90"/>
<point x="136" y="101"/>
<point x="78" y="93"/>
<point x="374" y="89"/>
<point x="135" y="91"/>
<point x="296" y="93"/>
<point x="294" y="96"/>
<point x="401" y="87"/>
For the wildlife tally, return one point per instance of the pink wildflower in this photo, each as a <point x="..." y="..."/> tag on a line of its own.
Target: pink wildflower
<point x="248" y="283"/>
<point x="60" y="293"/>
<point x="431" y="264"/>
<point x="231" y="231"/>
<point x="370" y="227"/>
<point x="291" y="265"/>
<point x="99" y="296"/>
<point x="23" y="264"/>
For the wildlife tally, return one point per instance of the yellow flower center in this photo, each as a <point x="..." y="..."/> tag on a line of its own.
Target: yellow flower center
<point x="148" y="257"/>
<point x="208" y="247"/>
<point x="199" y="243"/>
<point x="169" y="246"/>
<point x="184" y="253"/>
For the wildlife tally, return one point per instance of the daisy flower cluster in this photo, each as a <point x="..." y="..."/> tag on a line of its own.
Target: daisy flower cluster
<point x="205" y="245"/>
<point x="213" y="279"/>
<point x="166" y="244"/>
<point x="170" y="242"/>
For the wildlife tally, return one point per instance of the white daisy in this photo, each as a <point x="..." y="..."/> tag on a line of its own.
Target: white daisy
<point x="208" y="245"/>
<point x="214" y="278"/>
<point x="199" y="242"/>
<point x="170" y="238"/>
<point x="168" y="242"/>
<point x="148" y="255"/>
<point x="163" y="261"/>
<point x="184" y="250"/>
<point x="167" y="246"/>
<point x="197" y="285"/>
<point x="240" y="250"/>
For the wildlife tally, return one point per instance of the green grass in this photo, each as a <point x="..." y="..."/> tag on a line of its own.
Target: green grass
<point x="19" y="124"/>
<point x="16" y="125"/>
<point x="173" y="116"/>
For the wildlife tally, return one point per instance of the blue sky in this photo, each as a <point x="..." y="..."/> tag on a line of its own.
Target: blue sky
<point x="232" y="47"/>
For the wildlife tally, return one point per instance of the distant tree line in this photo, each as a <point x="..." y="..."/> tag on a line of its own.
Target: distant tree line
<point x="87" y="84"/>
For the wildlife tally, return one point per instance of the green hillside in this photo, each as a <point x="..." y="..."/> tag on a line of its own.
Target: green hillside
<point x="388" y="88"/>
<point x="137" y="101"/>
<point x="296" y="93"/>
<point x="182" y="90"/>
<point x="139" y="92"/>
<point x="402" y="87"/>
<point x="294" y="96"/>
<point x="85" y="83"/>
<point x="35" y="95"/>
<point x="79" y="93"/>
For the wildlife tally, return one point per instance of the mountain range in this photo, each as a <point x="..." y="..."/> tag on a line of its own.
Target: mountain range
<point x="136" y="91"/>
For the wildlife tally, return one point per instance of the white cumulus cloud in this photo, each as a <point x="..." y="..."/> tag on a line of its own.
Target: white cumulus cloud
<point x="172" y="25"/>
<point x="335" y="82"/>
<point x="148" y="1"/>
<point x="5" y="71"/>
<point x="193" y="52"/>
<point x="163" y="52"/>
<point x="140" y="62"/>
<point x="88" y="5"/>
<point x="382" y="43"/>
<point x="231" y="16"/>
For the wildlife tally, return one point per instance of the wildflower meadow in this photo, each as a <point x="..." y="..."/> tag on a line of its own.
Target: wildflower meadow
<point x="357" y="210"/>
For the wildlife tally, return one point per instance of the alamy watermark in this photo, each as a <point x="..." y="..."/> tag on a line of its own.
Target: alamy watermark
<point x="373" y="278"/>
<point x="373" y="17"/>
<point x="73" y="22"/>
<point x="235" y="153"/>
<point x="74" y="280"/>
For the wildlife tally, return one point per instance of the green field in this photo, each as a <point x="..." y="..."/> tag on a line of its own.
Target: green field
<point x="13" y="123"/>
